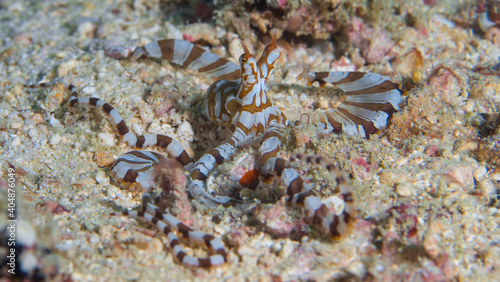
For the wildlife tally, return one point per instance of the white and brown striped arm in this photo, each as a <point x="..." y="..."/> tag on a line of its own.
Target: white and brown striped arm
<point x="370" y="100"/>
<point x="205" y="165"/>
<point x="271" y="139"/>
<point x="172" y="146"/>
<point x="268" y="58"/>
<point x="184" y="53"/>
<point x="300" y="194"/>
<point x="139" y="170"/>
<point x="169" y="225"/>
<point x="135" y="167"/>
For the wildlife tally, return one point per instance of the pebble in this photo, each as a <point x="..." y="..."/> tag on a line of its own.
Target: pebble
<point x="42" y="141"/>
<point x="357" y="268"/>
<point x="55" y="139"/>
<point x="16" y="7"/>
<point x="66" y="245"/>
<point x="101" y="177"/>
<point x="221" y="229"/>
<point x="247" y="251"/>
<point x="404" y="189"/>
<point x="103" y="159"/>
<point x="60" y="54"/>
<point x="32" y="133"/>
<point x="479" y="173"/>
<point x="288" y="248"/>
<point x="212" y="135"/>
<point x="487" y="187"/>
<point x="495" y="176"/>
<point x="431" y="245"/>
<point x="37" y="118"/>
<point x="88" y="90"/>
<point x="185" y="131"/>
<point x="54" y="122"/>
<point x="107" y="138"/>
<point x="387" y="178"/>
<point x="235" y="48"/>
<point x="94" y="238"/>
<point x="85" y="30"/>
<point x="16" y="141"/>
<point x="26" y="234"/>
<point x="64" y="68"/>
<point x="111" y="192"/>
<point x="432" y="119"/>
<point x="16" y="123"/>
<point x="402" y="161"/>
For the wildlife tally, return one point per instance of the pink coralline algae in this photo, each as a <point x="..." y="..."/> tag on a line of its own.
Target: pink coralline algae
<point x="282" y="3"/>
<point x="363" y="170"/>
<point x="373" y="43"/>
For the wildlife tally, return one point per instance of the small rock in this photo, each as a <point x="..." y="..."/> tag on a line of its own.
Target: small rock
<point x="85" y="30"/>
<point x="185" y="131"/>
<point x="32" y="133"/>
<point x="288" y="248"/>
<point x="88" y="181"/>
<point x="487" y="187"/>
<point x="404" y="189"/>
<point x="387" y="178"/>
<point x="402" y="161"/>
<point x="89" y="90"/>
<point x="55" y="139"/>
<point x="94" y="238"/>
<point x="64" y="68"/>
<point x="107" y="138"/>
<point x="16" y="7"/>
<point x="16" y="141"/>
<point x="246" y="251"/>
<point x="432" y="119"/>
<point x="479" y="173"/>
<point x="54" y="122"/>
<point x="212" y="135"/>
<point x="60" y="54"/>
<point x="16" y="123"/>
<point x="103" y="159"/>
<point x="235" y="48"/>
<point x="461" y="175"/>
<point x="54" y="99"/>
<point x="151" y="245"/>
<point x="101" y="177"/>
<point x="495" y="175"/>
<point x="37" y="118"/>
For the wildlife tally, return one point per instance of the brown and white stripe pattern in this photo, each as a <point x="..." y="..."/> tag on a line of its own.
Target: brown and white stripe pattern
<point x="370" y="100"/>
<point x="300" y="194"/>
<point x="271" y="140"/>
<point x="139" y="169"/>
<point x="221" y="105"/>
<point x="136" y="169"/>
<point x="239" y="98"/>
<point x="184" y="53"/>
<point x="170" y="225"/>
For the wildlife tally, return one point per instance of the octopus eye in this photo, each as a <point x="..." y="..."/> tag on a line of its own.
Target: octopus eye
<point x="244" y="60"/>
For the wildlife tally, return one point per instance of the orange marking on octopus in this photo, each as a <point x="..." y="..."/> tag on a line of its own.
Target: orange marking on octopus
<point x="249" y="177"/>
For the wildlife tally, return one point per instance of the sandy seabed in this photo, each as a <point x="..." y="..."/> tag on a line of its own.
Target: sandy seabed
<point x="426" y="192"/>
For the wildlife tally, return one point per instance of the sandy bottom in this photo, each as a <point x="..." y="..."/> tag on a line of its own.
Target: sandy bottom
<point x="426" y="192"/>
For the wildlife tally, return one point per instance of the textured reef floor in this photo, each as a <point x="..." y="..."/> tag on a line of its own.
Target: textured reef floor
<point x="426" y="190"/>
